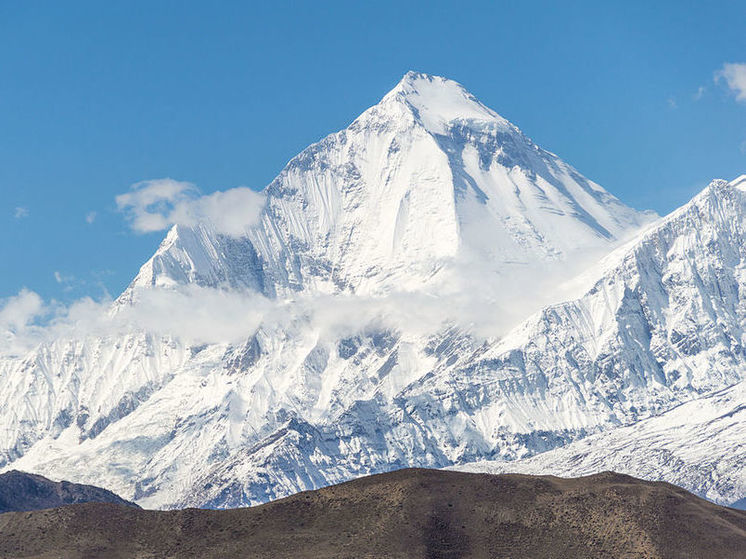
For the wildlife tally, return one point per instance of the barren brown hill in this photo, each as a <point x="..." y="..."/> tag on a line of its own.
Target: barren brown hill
<point x="20" y="491"/>
<point x="409" y="513"/>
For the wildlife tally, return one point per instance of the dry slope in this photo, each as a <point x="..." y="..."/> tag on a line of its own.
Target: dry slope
<point x="409" y="513"/>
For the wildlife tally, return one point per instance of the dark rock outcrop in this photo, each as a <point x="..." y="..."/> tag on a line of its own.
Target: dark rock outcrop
<point x="20" y="491"/>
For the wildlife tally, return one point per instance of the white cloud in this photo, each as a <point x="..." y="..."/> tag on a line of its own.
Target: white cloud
<point x="672" y="103"/>
<point x="17" y="316"/>
<point x="90" y="217"/>
<point x="155" y="205"/>
<point x="17" y="312"/>
<point x="734" y="75"/>
<point x="199" y="315"/>
<point x="196" y="314"/>
<point x="192" y="314"/>
<point x="700" y="93"/>
<point x="20" y="212"/>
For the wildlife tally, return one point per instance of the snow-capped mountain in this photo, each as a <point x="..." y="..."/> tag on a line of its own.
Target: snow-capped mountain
<point x="427" y="177"/>
<point x="427" y="202"/>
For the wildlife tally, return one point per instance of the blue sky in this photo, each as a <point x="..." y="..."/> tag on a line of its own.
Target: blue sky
<point x="96" y="96"/>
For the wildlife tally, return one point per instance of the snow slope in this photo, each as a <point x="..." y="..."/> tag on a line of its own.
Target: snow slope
<point x="699" y="445"/>
<point x="426" y="194"/>
<point x="684" y="320"/>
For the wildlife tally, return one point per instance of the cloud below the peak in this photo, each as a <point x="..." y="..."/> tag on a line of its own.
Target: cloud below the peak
<point x="734" y="75"/>
<point x="483" y="303"/>
<point x="191" y="314"/>
<point x="156" y="205"/>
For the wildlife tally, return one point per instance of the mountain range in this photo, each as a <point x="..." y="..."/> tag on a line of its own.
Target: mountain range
<point x="431" y="289"/>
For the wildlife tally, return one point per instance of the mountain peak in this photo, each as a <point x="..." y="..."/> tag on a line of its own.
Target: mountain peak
<point x="427" y="177"/>
<point x="717" y="189"/>
<point x="437" y="101"/>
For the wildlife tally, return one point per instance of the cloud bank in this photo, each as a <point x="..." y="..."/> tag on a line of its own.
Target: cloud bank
<point x="190" y="314"/>
<point x="483" y="302"/>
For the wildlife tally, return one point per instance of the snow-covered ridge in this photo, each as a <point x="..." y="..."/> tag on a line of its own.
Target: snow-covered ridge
<point x="698" y="445"/>
<point x="427" y="200"/>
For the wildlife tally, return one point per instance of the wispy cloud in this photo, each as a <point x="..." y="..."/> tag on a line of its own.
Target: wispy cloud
<point x="699" y="93"/>
<point x="155" y="205"/>
<point x="65" y="280"/>
<point x="672" y="103"/>
<point x="20" y="212"/>
<point x="734" y="75"/>
<point x="90" y="217"/>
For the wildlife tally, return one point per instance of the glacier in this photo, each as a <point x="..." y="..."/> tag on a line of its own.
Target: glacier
<point x="436" y="290"/>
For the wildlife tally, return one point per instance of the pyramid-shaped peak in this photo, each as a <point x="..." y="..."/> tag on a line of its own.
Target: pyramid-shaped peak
<point x="414" y="82"/>
<point x="438" y="101"/>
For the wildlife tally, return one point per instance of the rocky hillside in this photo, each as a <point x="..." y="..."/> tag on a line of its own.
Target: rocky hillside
<point x="410" y="514"/>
